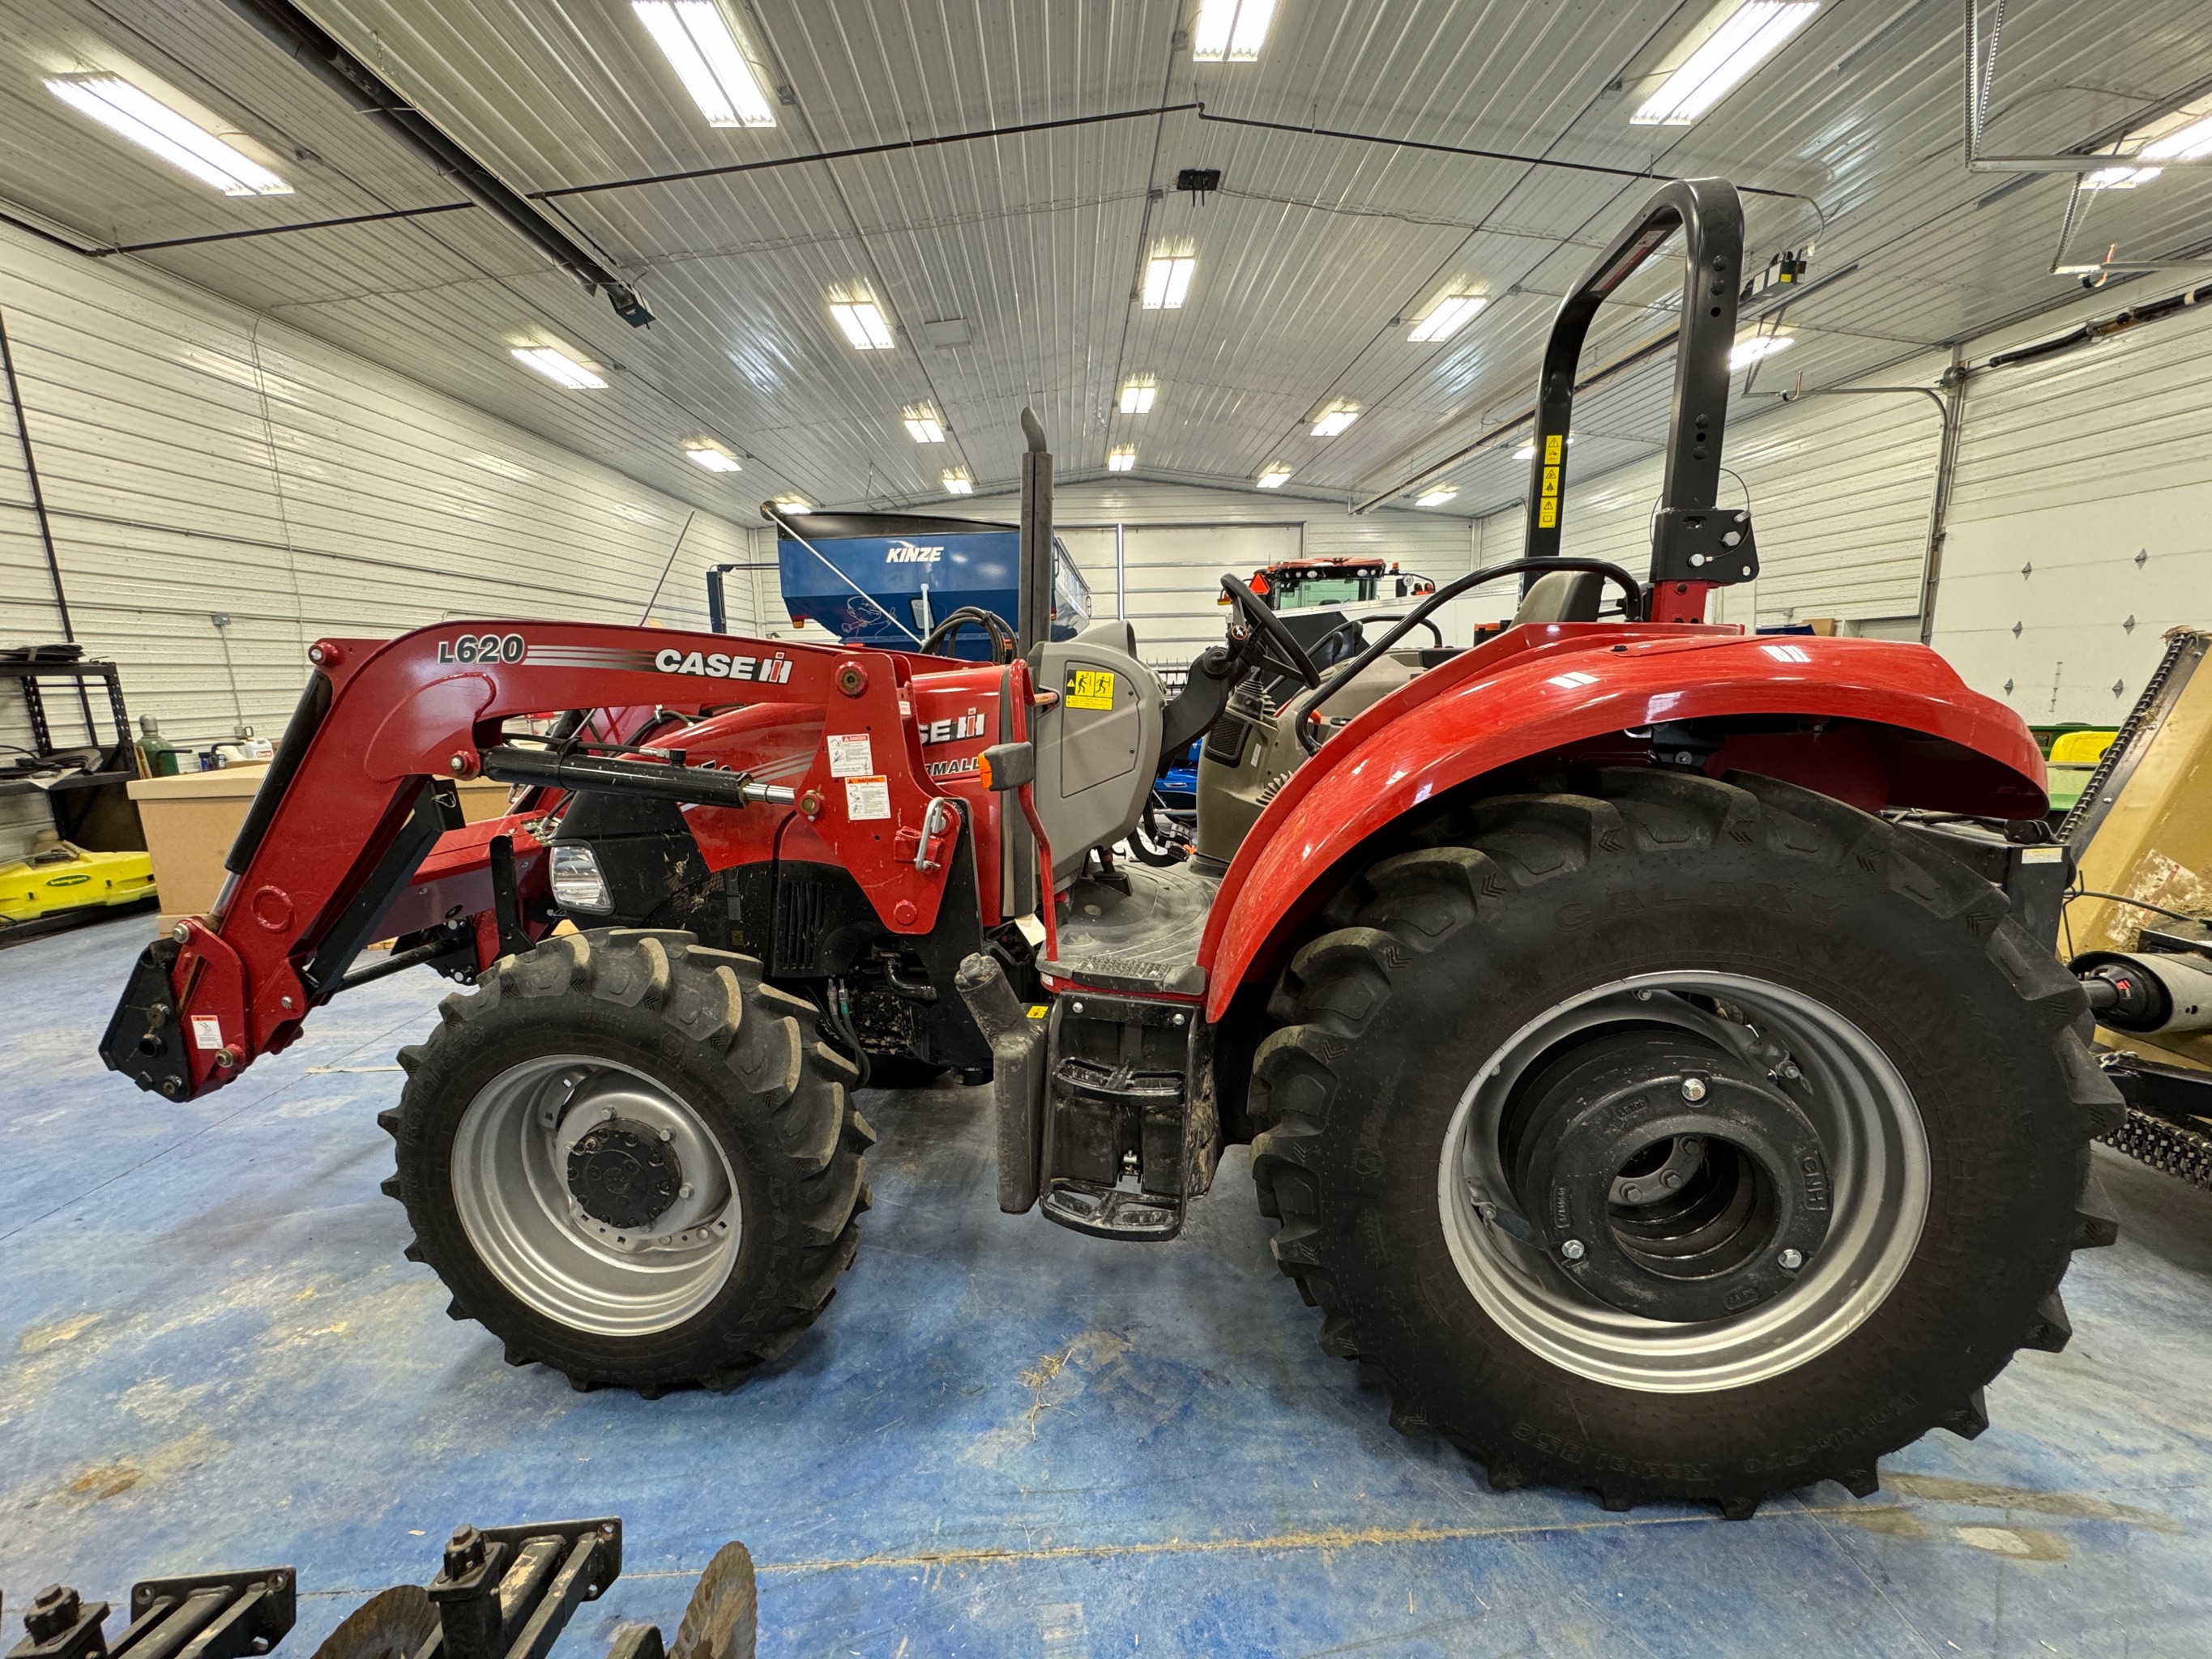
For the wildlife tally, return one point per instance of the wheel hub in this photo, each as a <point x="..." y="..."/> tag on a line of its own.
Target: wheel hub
<point x="624" y="1173"/>
<point x="1668" y="1176"/>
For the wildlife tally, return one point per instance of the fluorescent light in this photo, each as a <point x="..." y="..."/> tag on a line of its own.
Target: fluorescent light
<point x="2185" y="145"/>
<point x="1737" y="38"/>
<point x="712" y="459"/>
<point x="1437" y="497"/>
<point x="1274" y="478"/>
<point x="1137" y="397"/>
<point x="1121" y="459"/>
<point x="863" y="324"/>
<point x="1444" y="318"/>
<point x="703" y="50"/>
<point x="150" y="124"/>
<point x="1749" y="349"/>
<point x="792" y="505"/>
<point x="1334" y="420"/>
<point x="959" y="483"/>
<point x="559" y="367"/>
<point x="924" y="429"/>
<point x="1230" y="30"/>
<point x="1167" y="280"/>
<point x="2189" y="138"/>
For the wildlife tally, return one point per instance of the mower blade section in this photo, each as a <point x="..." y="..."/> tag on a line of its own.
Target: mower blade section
<point x="721" y="1620"/>
<point x="392" y="1624"/>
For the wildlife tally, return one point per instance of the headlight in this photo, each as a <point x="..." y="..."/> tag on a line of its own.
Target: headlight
<point x="577" y="883"/>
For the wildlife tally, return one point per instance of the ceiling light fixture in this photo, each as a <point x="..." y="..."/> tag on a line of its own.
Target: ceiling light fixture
<point x="559" y="367"/>
<point x="1437" y="497"/>
<point x="959" y="483"/>
<point x="1335" y="420"/>
<point x="1444" y="318"/>
<point x="722" y="78"/>
<point x="1167" y="280"/>
<point x="923" y="426"/>
<point x="1230" y="31"/>
<point x="1753" y="347"/>
<point x="1734" y="38"/>
<point x="714" y="459"/>
<point x="1137" y="397"/>
<point x="1272" y="478"/>
<point x="863" y="322"/>
<point x="138" y="115"/>
<point x="1121" y="459"/>
<point x="2181" y="135"/>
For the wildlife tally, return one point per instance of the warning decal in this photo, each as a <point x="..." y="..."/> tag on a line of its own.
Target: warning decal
<point x="867" y="797"/>
<point x="850" y="757"/>
<point x="1089" y="688"/>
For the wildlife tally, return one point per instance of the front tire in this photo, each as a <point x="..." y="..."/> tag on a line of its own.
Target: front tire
<point x="1870" y="1090"/>
<point x="631" y="1160"/>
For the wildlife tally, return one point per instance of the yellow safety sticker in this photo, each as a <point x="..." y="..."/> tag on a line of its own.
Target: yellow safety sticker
<point x="1551" y="481"/>
<point x="1553" y="445"/>
<point x="1089" y="688"/>
<point x="1039" y="1010"/>
<point x="1547" y="512"/>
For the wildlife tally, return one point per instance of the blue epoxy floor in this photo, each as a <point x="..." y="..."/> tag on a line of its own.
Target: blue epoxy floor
<point x="1003" y="1438"/>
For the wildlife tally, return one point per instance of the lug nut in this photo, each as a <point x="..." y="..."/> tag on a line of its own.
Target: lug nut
<point x="1789" y="1071"/>
<point x="1573" y="1250"/>
<point x="1792" y="1260"/>
<point x="465" y="1552"/>
<point x="1693" y="1088"/>
<point x="57" y="1608"/>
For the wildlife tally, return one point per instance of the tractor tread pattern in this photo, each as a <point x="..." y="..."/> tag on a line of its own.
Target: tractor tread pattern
<point x="1405" y="906"/>
<point x="764" y="1038"/>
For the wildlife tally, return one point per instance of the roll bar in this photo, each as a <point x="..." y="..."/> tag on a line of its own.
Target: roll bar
<point x="1692" y="544"/>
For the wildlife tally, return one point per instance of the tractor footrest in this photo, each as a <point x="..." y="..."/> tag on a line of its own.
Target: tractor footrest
<point x="1113" y="1212"/>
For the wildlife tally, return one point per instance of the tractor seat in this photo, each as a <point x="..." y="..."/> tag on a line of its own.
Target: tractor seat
<point x="1564" y="596"/>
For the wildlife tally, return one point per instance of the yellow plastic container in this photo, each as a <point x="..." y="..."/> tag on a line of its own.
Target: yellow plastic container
<point x="66" y="877"/>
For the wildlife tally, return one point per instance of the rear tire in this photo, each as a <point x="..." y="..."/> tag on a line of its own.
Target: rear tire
<point x="630" y="1159"/>
<point x="1848" y="939"/>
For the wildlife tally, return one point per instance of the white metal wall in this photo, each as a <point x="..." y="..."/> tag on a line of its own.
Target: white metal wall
<point x="198" y="461"/>
<point x="1840" y="490"/>
<point x="2081" y="521"/>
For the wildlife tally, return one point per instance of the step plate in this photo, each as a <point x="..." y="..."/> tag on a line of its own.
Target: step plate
<point x="1113" y="1212"/>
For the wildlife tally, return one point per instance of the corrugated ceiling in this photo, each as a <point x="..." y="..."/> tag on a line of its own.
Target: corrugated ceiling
<point x="1309" y="258"/>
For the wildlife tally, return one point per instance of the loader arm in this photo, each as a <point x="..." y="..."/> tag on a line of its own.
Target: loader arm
<point x="332" y="853"/>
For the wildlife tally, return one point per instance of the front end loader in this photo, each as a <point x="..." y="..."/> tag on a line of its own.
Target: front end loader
<point x="1644" y="1080"/>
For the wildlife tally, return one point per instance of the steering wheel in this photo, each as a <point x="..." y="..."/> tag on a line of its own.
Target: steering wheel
<point x="1278" y="647"/>
<point x="939" y="642"/>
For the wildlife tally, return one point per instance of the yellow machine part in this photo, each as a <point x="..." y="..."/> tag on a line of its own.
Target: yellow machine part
<point x="2155" y="844"/>
<point x="67" y="878"/>
<point x="2080" y="748"/>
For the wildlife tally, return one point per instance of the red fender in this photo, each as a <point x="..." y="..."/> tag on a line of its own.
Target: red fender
<point x="1907" y="732"/>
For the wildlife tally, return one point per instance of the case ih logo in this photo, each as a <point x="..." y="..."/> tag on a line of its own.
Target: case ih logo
<point x="719" y="666"/>
<point x="969" y="725"/>
<point x="908" y="553"/>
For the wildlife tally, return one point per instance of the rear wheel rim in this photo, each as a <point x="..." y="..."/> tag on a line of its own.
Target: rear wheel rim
<point x="510" y="1173"/>
<point x="1876" y="1150"/>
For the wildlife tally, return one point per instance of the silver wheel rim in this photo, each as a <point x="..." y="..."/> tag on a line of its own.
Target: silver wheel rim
<point x="510" y="1186"/>
<point x="1877" y="1152"/>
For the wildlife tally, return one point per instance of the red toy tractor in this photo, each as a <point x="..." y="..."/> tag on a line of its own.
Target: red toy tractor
<point x="1650" y="1076"/>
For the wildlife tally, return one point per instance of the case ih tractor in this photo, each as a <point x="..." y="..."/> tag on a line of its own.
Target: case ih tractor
<point x="1652" y="1098"/>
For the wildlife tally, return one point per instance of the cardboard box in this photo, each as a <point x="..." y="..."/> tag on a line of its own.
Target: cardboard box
<point x="192" y="819"/>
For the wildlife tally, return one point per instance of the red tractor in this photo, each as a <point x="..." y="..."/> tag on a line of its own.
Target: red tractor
<point x="1651" y="1077"/>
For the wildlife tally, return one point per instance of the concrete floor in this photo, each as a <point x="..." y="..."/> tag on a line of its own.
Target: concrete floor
<point x="1003" y="1438"/>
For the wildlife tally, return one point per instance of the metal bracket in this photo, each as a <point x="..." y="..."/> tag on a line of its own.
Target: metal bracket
<point x="1704" y="545"/>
